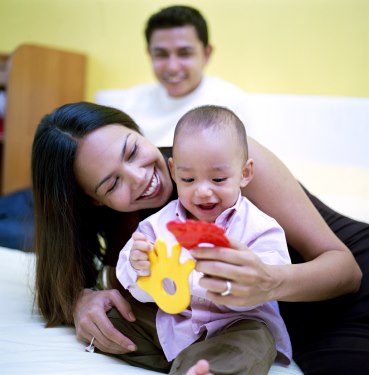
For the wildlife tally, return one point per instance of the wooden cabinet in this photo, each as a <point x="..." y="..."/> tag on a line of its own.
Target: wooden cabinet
<point x="35" y="80"/>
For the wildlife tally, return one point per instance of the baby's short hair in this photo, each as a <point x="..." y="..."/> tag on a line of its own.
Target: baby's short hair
<point x="213" y="116"/>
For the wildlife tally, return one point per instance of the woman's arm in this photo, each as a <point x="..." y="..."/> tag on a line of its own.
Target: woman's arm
<point x="329" y="270"/>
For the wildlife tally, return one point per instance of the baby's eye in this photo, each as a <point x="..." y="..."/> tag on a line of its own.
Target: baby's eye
<point x="219" y="179"/>
<point x="187" y="180"/>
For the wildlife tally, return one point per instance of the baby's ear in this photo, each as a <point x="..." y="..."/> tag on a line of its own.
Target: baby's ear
<point x="171" y="168"/>
<point x="247" y="173"/>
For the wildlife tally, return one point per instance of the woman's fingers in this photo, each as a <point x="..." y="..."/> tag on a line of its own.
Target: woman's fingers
<point x="250" y="279"/>
<point x="91" y="320"/>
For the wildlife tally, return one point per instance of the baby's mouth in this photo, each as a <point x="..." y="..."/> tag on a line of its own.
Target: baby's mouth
<point x="207" y="206"/>
<point x="152" y="188"/>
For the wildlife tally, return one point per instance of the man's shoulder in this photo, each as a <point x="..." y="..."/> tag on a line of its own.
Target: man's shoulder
<point x="219" y="83"/>
<point x="114" y="97"/>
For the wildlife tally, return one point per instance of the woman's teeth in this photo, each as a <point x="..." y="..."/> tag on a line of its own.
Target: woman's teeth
<point x="153" y="185"/>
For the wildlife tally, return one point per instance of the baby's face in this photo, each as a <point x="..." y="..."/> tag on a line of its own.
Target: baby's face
<point x="209" y="170"/>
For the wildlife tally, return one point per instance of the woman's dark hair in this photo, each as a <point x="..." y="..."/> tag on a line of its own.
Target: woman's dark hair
<point x="177" y="16"/>
<point x="69" y="227"/>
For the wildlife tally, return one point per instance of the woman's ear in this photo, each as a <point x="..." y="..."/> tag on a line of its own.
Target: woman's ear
<point x="247" y="173"/>
<point x="96" y="203"/>
<point x="171" y="168"/>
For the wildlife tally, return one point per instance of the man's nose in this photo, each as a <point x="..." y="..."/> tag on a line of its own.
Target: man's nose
<point x="173" y="62"/>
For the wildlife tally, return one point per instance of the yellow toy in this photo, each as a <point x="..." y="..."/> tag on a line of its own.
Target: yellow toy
<point x="168" y="267"/>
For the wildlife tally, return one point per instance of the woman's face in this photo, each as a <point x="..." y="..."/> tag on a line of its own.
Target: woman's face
<point x="120" y="169"/>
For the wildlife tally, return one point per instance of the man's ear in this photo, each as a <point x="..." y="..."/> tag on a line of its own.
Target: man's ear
<point x="171" y="168"/>
<point x="208" y="52"/>
<point x="247" y="173"/>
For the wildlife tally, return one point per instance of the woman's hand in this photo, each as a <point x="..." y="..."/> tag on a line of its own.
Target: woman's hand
<point x="252" y="281"/>
<point x="90" y="320"/>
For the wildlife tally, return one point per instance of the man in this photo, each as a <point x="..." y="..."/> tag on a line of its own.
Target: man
<point x="178" y="46"/>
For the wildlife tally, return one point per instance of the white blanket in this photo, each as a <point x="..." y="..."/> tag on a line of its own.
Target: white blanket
<point x="27" y="347"/>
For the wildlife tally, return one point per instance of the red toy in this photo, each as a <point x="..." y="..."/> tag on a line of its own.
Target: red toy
<point x="192" y="233"/>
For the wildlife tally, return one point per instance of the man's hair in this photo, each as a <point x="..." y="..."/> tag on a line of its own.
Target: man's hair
<point x="177" y="16"/>
<point x="213" y="116"/>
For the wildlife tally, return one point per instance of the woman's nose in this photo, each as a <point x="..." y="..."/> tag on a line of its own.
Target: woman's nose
<point x="135" y="175"/>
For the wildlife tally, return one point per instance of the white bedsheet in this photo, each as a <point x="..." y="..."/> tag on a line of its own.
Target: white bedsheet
<point x="27" y="348"/>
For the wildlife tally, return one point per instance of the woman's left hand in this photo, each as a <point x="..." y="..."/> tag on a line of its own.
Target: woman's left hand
<point x="252" y="281"/>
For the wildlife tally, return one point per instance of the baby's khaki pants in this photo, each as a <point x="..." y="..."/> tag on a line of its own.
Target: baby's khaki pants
<point x="245" y="348"/>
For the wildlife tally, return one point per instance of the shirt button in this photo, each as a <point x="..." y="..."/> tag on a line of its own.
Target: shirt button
<point x="201" y="300"/>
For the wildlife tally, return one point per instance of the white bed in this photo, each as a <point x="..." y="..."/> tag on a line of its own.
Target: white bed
<point x="26" y="347"/>
<point x="330" y="155"/>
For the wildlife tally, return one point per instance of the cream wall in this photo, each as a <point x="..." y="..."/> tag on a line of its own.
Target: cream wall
<point x="275" y="46"/>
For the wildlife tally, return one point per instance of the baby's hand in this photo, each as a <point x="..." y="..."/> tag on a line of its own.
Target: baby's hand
<point x="139" y="254"/>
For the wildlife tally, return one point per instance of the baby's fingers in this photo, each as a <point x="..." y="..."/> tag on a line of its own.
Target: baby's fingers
<point x="139" y="236"/>
<point x="140" y="262"/>
<point x="138" y="255"/>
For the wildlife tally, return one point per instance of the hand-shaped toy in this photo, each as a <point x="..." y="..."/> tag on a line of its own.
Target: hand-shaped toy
<point x="192" y="233"/>
<point x="189" y="235"/>
<point x="165" y="267"/>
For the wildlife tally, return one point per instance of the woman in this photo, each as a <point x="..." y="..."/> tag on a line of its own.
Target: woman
<point x="93" y="180"/>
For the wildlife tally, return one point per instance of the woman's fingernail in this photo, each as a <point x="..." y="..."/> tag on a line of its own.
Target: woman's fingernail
<point x="131" y="316"/>
<point x="132" y="348"/>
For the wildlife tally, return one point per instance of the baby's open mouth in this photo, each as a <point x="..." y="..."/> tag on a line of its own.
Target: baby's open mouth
<point x="207" y="206"/>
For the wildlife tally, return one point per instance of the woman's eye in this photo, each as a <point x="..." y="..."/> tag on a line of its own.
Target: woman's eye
<point x="133" y="152"/>
<point x="112" y="187"/>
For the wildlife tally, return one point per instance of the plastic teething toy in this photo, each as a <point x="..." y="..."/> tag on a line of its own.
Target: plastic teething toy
<point x="168" y="267"/>
<point x="189" y="234"/>
<point x="192" y="233"/>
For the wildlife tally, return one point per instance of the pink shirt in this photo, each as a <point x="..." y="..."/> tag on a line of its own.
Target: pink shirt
<point x="243" y="222"/>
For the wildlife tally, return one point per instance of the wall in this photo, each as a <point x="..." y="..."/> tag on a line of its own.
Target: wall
<point x="274" y="46"/>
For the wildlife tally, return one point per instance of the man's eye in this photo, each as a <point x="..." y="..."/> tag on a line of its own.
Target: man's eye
<point x="159" y="55"/>
<point x="185" y="54"/>
<point x="187" y="180"/>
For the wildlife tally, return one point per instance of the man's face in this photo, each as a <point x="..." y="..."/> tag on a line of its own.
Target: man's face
<point x="178" y="59"/>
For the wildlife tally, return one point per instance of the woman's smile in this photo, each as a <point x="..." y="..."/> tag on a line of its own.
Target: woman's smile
<point x="153" y="189"/>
